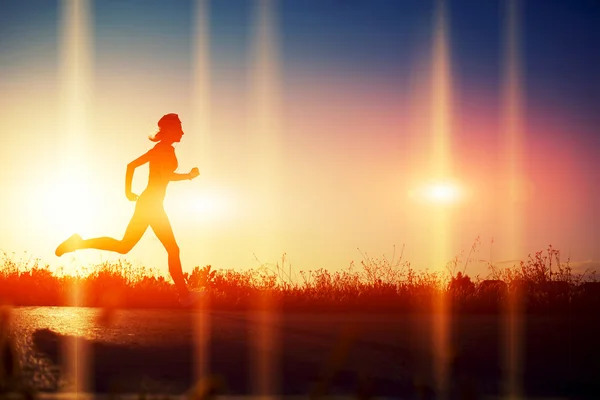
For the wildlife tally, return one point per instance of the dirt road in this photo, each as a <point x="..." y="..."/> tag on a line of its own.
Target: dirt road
<point x="155" y="351"/>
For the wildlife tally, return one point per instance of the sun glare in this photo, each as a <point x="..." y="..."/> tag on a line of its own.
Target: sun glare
<point x="444" y="193"/>
<point x="204" y="204"/>
<point x="70" y="204"/>
<point x="61" y="205"/>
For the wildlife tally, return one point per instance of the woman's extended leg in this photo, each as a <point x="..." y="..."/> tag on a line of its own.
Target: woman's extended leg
<point x="162" y="228"/>
<point x="134" y="232"/>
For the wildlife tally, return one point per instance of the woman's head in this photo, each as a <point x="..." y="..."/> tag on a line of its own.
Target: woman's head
<point x="169" y="129"/>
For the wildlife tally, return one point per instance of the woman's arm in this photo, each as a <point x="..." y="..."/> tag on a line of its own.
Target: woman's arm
<point x="180" y="177"/>
<point x="129" y="174"/>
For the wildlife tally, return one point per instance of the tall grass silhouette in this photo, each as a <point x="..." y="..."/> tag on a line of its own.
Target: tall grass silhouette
<point x="546" y="283"/>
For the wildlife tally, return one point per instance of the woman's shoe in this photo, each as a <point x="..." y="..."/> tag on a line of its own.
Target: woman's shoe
<point x="69" y="245"/>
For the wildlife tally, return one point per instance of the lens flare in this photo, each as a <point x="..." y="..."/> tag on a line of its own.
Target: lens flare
<point x="76" y="78"/>
<point x="205" y="207"/>
<point x="266" y="167"/>
<point x="517" y="193"/>
<point x="440" y="193"/>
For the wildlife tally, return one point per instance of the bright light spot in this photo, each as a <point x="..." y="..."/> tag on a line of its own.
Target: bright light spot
<point x="444" y="192"/>
<point x="208" y="204"/>
<point x="59" y="205"/>
<point x="70" y="206"/>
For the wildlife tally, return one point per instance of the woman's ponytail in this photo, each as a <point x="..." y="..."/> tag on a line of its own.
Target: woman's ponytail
<point x="167" y="120"/>
<point x="156" y="137"/>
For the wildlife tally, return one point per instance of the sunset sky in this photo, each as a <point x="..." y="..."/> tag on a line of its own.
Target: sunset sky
<point x="324" y="163"/>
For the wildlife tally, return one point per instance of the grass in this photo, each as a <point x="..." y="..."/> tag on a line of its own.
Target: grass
<point x="544" y="284"/>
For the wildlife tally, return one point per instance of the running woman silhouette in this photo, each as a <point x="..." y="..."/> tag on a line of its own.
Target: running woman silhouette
<point x="149" y="209"/>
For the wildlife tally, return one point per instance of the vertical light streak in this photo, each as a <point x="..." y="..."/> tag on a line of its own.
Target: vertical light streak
<point x="441" y="95"/>
<point x="201" y="125"/>
<point x="513" y="148"/>
<point x="201" y="88"/>
<point x="441" y="131"/>
<point x="265" y="147"/>
<point x="265" y="119"/>
<point x="513" y="122"/>
<point x="265" y="360"/>
<point x="512" y="348"/>
<point x="75" y="103"/>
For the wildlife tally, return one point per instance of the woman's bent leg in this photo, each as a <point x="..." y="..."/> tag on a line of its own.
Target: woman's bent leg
<point x="134" y="232"/>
